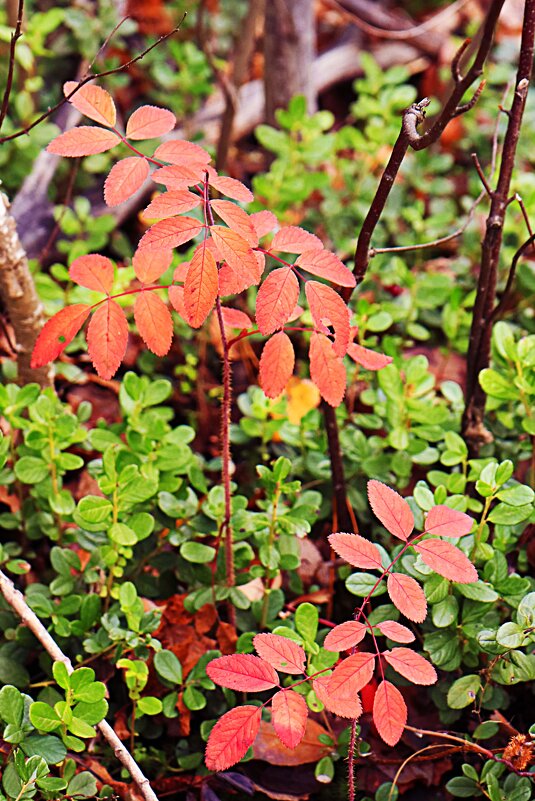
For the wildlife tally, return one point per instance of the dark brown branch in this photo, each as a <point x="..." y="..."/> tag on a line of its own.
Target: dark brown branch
<point x="456" y="63"/>
<point x="483" y="314"/>
<point x="15" y="36"/>
<point x="343" y="517"/>
<point x="479" y="170"/>
<point x="499" y="308"/>
<point x="89" y="78"/>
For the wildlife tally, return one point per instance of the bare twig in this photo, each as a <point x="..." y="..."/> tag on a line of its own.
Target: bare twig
<point x="499" y="308"/>
<point x="481" y="174"/>
<point x="15" y="36"/>
<point x="89" y="78"/>
<point x="16" y="601"/>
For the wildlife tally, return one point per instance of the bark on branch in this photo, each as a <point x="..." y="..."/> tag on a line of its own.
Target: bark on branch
<point x="16" y="601"/>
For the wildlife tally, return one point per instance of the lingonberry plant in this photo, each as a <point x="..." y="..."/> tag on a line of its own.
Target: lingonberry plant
<point x="338" y="689"/>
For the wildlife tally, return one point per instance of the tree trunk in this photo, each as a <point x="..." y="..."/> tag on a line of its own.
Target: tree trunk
<point x="289" y="49"/>
<point x="19" y="298"/>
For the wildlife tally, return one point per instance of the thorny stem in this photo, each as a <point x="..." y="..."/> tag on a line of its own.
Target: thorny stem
<point x="16" y="601"/>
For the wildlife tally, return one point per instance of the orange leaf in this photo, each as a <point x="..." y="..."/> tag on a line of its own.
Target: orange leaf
<point x="326" y="265"/>
<point x="389" y="712"/>
<point x="289" y="714"/>
<point x="92" y="271"/>
<point x="276" y="299"/>
<point x="244" y="672"/>
<point x="148" y="122"/>
<point x="326" y="306"/>
<point x="369" y="359"/>
<point x="149" y="265"/>
<point x="447" y="560"/>
<point x="229" y="187"/>
<point x="201" y="286"/>
<point x="264" y="222"/>
<point x="237" y="219"/>
<point x="170" y="233"/>
<point x="356" y="550"/>
<point x="176" y="296"/>
<point x="303" y="395"/>
<point x="391" y="509"/>
<point x="92" y="101"/>
<point x="124" y="179"/>
<point x="283" y="654"/>
<point x="345" y="636"/>
<point x="242" y="266"/>
<point x="232" y="736"/>
<point x="57" y="333"/>
<point x="170" y="204"/>
<point x="183" y="153"/>
<point x="327" y="370"/>
<point x="395" y="631"/>
<point x="107" y="338"/>
<point x="354" y="672"/>
<point x="276" y="364"/>
<point x="269" y="748"/>
<point x="445" y="522"/>
<point x="292" y="239"/>
<point x="154" y="322"/>
<point x="179" y="176"/>
<point x="234" y="318"/>
<point x="85" y="140"/>
<point x="411" y="666"/>
<point x="407" y="596"/>
<point x="344" y="702"/>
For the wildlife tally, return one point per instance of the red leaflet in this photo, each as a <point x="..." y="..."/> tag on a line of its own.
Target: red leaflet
<point x="154" y="322"/>
<point x="244" y="672"/>
<point x="229" y="187"/>
<point x="57" y="333"/>
<point x="149" y="265"/>
<point x="124" y="179"/>
<point x="200" y="287"/>
<point x="176" y="296"/>
<point x="389" y="712"/>
<point x="170" y="233"/>
<point x="343" y="702"/>
<point x="276" y="299"/>
<point x="237" y="219"/>
<point x="407" y="595"/>
<point x="326" y="265"/>
<point x="149" y="122"/>
<point x="182" y="153"/>
<point x="353" y="672"/>
<point x="107" y="338"/>
<point x="83" y="141"/>
<point x="327" y="370"/>
<point x="234" y="318"/>
<point x="411" y="665"/>
<point x="93" y="102"/>
<point x="326" y="306"/>
<point x="242" y="267"/>
<point x="92" y="271"/>
<point x="176" y="201"/>
<point x="369" y="359"/>
<point x="356" y="550"/>
<point x="289" y="713"/>
<point x="447" y="560"/>
<point x="264" y="222"/>
<point x="292" y="239"/>
<point x="179" y="176"/>
<point x="395" y="631"/>
<point x="445" y="522"/>
<point x="392" y="510"/>
<point x="283" y="654"/>
<point x="276" y="364"/>
<point x="232" y="736"/>
<point x="345" y="636"/>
